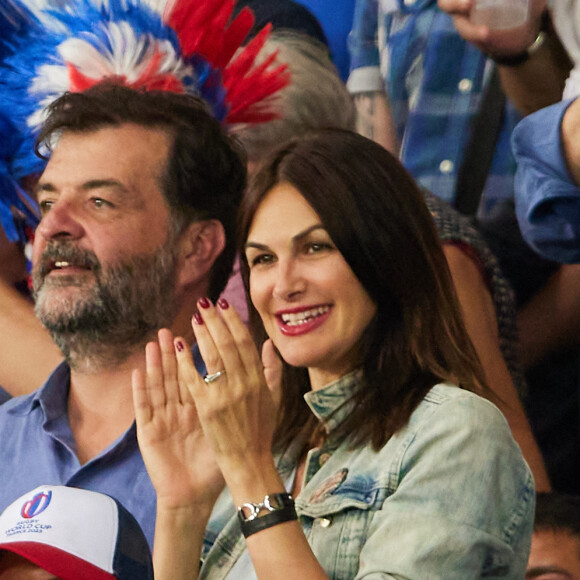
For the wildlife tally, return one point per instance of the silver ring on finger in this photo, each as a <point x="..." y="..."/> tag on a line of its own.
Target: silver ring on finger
<point x="211" y="378"/>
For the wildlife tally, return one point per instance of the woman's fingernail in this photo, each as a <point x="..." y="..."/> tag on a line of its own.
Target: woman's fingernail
<point x="179" y="345"/>
<point x="204" y="302"/>
<point x="197" y="319"/>
<point x="223" y="303"/>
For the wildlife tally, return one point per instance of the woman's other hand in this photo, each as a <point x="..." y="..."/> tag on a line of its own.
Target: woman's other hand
<point x="179" y="460"/>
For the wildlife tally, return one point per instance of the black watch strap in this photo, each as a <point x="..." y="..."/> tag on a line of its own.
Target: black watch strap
<point x="279" y="516"/>
<point x="271" y="503"/>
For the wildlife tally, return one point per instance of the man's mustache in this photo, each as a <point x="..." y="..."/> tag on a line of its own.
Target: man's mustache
<point x="65" y="252"/>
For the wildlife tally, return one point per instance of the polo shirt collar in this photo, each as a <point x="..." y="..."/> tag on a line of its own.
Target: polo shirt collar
<point x="51" y="397"/>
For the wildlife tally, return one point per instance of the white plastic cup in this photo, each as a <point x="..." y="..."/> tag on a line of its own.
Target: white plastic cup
<point x="500" y="14"/>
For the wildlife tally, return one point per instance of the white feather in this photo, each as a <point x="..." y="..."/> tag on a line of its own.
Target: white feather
<point x="51" y="79"/>
<point x="86" y="58"/>
<point x="129" y="57"/>
<point x="39" y="10"/>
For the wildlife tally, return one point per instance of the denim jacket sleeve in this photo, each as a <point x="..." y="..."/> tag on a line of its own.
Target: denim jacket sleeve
<point x="463" y="503"/>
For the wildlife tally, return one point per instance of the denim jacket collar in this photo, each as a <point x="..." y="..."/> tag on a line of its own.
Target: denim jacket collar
<point x="331" y="404"/>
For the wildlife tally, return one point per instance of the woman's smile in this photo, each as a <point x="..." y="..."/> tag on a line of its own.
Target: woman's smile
<point x="301" y="320"/>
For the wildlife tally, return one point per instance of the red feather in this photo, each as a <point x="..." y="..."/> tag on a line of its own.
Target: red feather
<point x="235" y="35"/>
<point x="202" y="29"/>
<point x="78" y="81"/>
<point x="152" y="80"/>
<point x="242" y="64"/>
<point x="148" y="79"/>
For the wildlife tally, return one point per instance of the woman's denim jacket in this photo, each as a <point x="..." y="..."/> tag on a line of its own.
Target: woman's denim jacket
<point x="448" y="497"/>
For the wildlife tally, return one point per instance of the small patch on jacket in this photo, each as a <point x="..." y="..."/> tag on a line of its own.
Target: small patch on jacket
<point x="329" y="486"/>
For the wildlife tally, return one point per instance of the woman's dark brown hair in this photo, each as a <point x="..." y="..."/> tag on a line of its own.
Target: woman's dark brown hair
<point x="376" y="216"/>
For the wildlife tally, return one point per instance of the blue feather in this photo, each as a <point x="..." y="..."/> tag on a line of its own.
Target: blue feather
<point x="14" y="18"/>
<point x="15" y="214"/>
<point x="38" y="47"/>
<point x="89" y="21"/>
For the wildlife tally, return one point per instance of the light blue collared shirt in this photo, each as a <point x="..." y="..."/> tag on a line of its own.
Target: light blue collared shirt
<point x="38" y="448"/>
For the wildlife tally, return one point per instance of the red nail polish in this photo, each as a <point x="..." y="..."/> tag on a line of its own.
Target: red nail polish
<point x="204" y="302"/>
<point x="179" y="345"/>
<point x="198" y="319"/>
<point x="223" y="303"/>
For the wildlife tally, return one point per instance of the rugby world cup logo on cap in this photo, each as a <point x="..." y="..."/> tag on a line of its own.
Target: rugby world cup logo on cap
<point x="36" y="505"/>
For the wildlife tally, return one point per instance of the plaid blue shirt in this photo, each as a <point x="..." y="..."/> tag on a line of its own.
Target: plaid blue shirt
<point x="434" y="81"/>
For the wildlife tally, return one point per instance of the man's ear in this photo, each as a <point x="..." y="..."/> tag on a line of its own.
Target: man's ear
<point x="200" y="245"/>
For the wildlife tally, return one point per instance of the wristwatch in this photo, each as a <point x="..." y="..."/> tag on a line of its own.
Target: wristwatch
<point x="280" y="508"/>
<point x="271" y="503"/>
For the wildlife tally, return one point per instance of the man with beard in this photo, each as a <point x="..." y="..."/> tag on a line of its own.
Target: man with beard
<point x="138" y="205"/>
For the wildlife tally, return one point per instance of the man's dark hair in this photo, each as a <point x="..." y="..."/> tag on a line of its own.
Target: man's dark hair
<point x="557" y="512"/>
<point x="205" y="173"/>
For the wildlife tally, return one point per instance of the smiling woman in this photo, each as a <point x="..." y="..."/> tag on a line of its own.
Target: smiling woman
<point x="312" y="305"/>
<point x="388" y="249"/>
<point x="363" y="452"/>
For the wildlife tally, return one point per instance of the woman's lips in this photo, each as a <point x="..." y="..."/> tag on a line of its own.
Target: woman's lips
<point x="296" y="322"/>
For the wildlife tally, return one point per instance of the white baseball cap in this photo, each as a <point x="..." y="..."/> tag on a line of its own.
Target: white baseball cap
<point x="74" y="533"/>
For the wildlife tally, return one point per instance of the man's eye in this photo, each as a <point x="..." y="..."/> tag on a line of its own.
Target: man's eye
<point x="100" y="202"/>
<point x="45" y="206"/>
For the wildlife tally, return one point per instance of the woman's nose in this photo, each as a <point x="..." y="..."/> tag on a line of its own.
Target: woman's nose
<point x="290" y="281"/>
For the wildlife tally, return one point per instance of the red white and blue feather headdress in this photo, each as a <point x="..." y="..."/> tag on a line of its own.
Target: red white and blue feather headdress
<point x="50" y="47"/>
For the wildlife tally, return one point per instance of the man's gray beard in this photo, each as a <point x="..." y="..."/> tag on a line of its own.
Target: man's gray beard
<point x="116" y="314"/>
